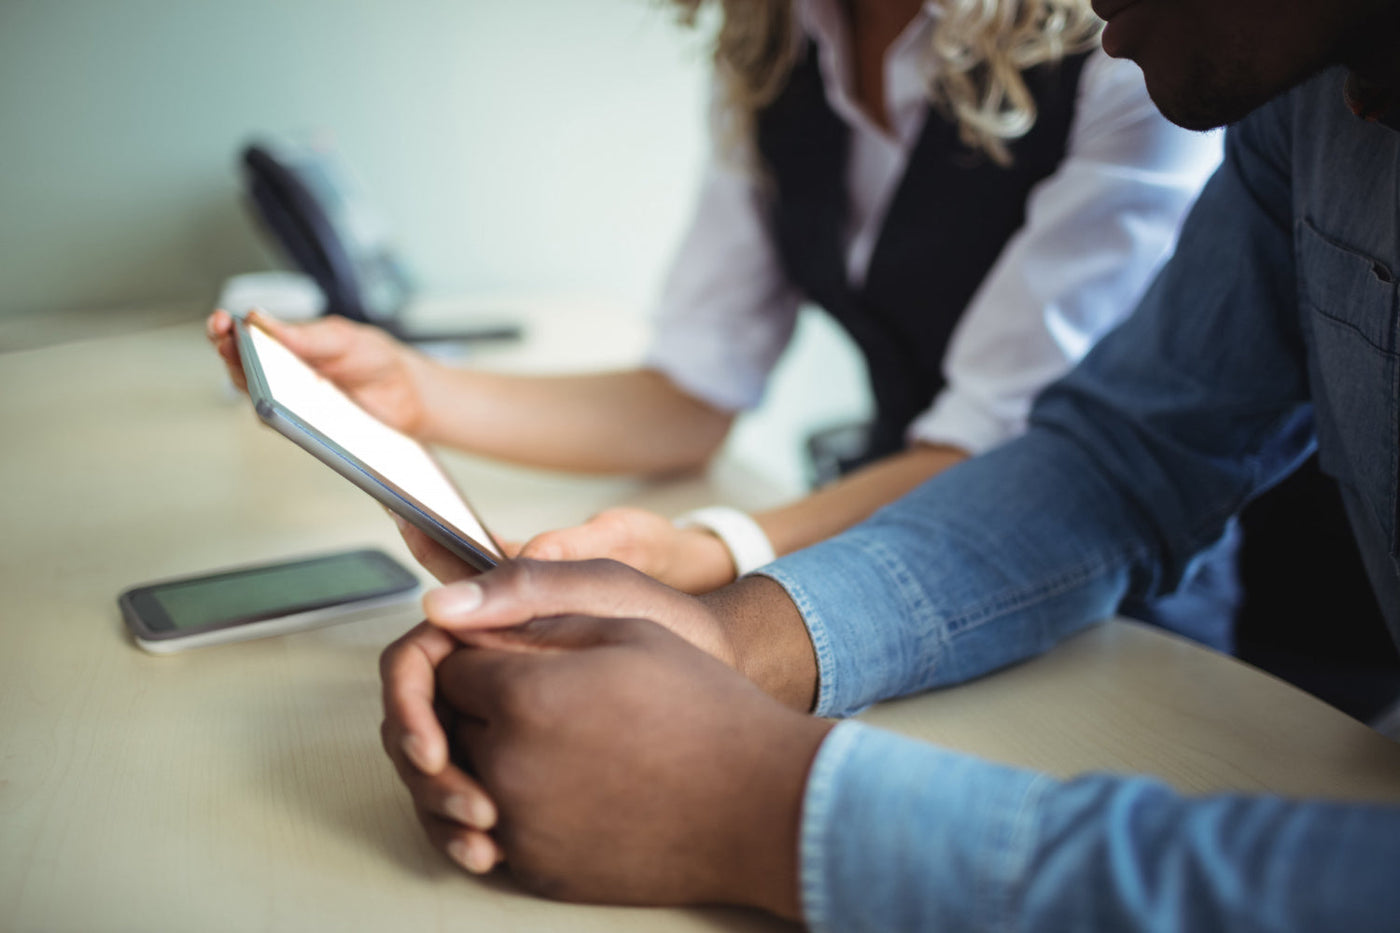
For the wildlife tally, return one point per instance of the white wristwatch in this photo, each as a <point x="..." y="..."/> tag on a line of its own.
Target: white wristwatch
<point x="748" y="546"/>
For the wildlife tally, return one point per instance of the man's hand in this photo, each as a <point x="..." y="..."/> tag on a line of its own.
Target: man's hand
<point x="456" y="813"/>
<point x="690" y="559"/>
<point x="629" y="767"/>
<point x="751" y="625"/>
<point x="385" y="377"/>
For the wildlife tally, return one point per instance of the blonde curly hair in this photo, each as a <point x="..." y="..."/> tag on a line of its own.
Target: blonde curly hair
<point x="978" y="53"/>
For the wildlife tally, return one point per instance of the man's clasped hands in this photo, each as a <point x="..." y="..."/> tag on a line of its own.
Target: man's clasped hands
<point x="540" y="718"/>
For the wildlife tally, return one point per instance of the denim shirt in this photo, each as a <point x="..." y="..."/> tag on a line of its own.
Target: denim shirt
<point x="1271" y="331"/>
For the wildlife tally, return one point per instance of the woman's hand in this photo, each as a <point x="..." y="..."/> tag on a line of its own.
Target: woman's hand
<point x="690" y="559"/>
<point x="383" y="376"/>
<point x="438" y="560"/>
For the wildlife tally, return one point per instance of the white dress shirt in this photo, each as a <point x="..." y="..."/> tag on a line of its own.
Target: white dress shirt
<point x="1095" y="232"/>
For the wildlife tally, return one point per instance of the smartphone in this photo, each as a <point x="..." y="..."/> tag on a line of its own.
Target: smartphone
<point x="266" y="599"/>
<point x="395" y="469"/>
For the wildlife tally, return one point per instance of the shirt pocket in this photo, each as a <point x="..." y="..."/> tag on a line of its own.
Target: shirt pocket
<point x="1349" y="298"/>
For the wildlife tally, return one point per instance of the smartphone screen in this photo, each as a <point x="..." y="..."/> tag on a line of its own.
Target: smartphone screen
<point x="393" y="457"/>
<point x="251" y="594"/>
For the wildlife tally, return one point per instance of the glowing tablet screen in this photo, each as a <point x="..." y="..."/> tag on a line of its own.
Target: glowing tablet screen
<point x="390" y="453"/>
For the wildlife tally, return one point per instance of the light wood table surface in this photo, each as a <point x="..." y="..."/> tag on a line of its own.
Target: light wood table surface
<point x="242" y="787"/>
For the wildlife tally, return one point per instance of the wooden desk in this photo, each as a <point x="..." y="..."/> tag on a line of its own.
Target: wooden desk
<point x="242" y="787"/>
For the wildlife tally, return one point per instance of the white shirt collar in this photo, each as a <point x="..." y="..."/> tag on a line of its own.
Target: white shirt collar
<point x="906" y="65"/>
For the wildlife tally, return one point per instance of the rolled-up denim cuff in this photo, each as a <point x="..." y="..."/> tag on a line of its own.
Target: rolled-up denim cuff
<point x="856" y="596"/>
<point x="900" y="835"/>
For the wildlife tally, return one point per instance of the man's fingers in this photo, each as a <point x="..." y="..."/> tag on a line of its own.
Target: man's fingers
<point x="476" y="682"/>
<point x="475" y="851"/>
<point x="556" y="633"/>
<point x="523" y="590"/>
<point x="408" y="668"/>
<point x="452" y="795"/>
<point x="499" y="664"/>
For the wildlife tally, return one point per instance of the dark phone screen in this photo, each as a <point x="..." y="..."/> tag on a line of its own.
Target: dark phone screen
<point x="280" y="589"/>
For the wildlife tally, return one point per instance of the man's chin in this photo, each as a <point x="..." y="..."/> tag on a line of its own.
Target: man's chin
<point x="1205" y="95"/>
<point x="1205" y="99"/>
<point x="1201" y="115"/>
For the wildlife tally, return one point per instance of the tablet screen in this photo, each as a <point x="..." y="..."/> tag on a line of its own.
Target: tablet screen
<point x="390" y="453"/>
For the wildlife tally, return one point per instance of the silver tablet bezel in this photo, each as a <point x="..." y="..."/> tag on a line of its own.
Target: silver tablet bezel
<point x="388" y="493"/>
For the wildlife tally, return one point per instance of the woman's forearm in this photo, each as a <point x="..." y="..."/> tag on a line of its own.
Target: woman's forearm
<point x="854" y="498"/>
<point x="632" y="421"/>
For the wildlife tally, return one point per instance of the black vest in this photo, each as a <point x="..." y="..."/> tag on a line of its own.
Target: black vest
<point x="952" y="214"/>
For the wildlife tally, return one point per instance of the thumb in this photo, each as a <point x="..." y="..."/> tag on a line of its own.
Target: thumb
<point x="314" y="341"/>
<point x="553" y="545"/>
<point x="273" y="326"/>
<point x="556" y="634"/>
<point x="522" y="590"/>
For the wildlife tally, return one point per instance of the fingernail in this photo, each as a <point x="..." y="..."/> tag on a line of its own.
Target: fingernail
<point x="452" y="602"/>
<point x="473" y="855"/>
<point x="478" y="813"/>
<point x="460" y="854"/>
<point x="457" y="807"/>
<point x="480" y="856"/>
<point x="413" y="748"/>
<point x="483" y="813"/>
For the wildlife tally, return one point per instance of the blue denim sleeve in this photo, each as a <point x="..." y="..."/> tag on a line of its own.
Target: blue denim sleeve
<point x="899" y="835"/>
<point x="1133" y="463"/>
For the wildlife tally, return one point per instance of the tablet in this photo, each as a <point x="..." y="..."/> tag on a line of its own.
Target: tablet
<point x="392" y="467"/>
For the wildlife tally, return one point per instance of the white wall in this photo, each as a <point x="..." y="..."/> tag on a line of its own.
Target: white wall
<point x="543" y="144"/>
<point x="536" y="146"/>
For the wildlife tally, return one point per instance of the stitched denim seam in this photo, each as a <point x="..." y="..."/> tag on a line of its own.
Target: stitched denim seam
<point x="912" y="596"/>
<point x="1020" y="598"/>
<point x="1355" y="331"/>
